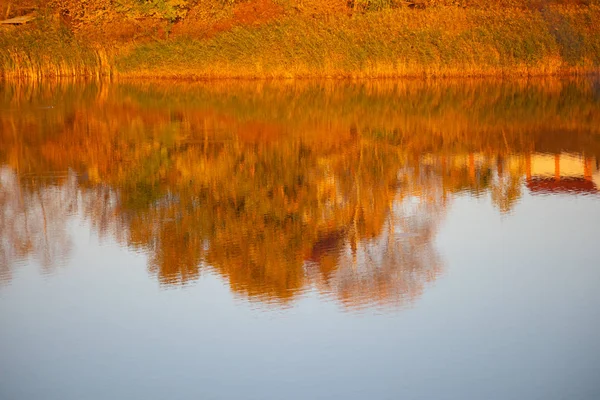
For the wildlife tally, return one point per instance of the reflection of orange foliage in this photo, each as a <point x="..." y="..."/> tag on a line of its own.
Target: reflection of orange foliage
<point x="276" y="189"/>
<point x="33" y="218"/>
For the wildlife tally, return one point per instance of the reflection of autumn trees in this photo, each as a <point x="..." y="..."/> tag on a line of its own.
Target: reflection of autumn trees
<point x="392" y="262"/>
<point x="277" y="190"/>
<point x="33" y="220"/>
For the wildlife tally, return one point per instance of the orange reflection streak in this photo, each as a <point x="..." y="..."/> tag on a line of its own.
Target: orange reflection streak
<point x="280" y="188"/>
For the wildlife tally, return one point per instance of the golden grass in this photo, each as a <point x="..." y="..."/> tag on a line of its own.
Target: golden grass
<point x="437" y="41"/>
<point x="49" y="50"/>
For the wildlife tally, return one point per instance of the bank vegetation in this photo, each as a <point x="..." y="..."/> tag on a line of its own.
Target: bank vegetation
<point x="299" y="38"/>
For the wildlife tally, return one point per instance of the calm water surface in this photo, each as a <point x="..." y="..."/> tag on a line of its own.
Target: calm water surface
<point x="300" y="240"/>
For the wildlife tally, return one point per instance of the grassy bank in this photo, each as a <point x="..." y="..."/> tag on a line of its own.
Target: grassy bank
<point x="49" y="50"/>
<point x="440" y="42"/>
<point x="277" y="41"/>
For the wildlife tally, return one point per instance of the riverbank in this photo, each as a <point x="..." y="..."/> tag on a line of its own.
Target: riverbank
<point x="275" y="41"/>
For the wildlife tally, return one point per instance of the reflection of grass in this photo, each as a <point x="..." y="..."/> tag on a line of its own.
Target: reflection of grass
<point x="451" y="105"/>
<point x="448" y="115"/>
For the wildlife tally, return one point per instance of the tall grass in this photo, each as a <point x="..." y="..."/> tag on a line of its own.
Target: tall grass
<point x="445" y="41"/>
<point x="387" y="42"/>
<point x="45" y="49"/>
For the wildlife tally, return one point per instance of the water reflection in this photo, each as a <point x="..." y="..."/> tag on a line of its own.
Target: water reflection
<point x="281" y="188"/>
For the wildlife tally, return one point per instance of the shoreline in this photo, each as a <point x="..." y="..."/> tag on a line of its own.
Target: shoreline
<point x="119" y="77"/>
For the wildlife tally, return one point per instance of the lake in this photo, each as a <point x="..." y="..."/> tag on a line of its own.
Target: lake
<point x="300" y="239"/>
